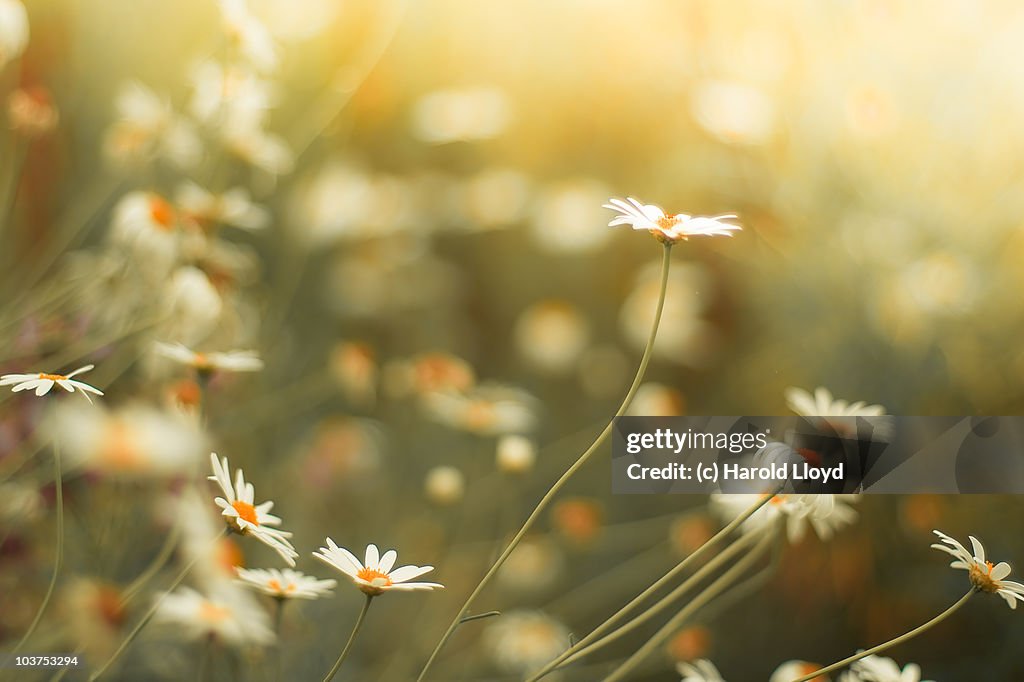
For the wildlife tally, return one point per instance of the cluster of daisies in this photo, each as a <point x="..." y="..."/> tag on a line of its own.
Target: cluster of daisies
<point x="373" y="575"/>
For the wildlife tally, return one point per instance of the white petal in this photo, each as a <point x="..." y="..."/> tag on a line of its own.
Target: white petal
<point x="372" y="557"/>
<point x="400" y="575"/>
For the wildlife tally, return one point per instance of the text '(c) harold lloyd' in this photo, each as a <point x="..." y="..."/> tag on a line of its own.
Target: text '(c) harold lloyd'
<point x="779" y="471"/>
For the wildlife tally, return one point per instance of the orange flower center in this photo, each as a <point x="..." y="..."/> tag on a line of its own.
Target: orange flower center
<point x="375" y="578"/>
<point x="981" y="577"/>
<point x="212" y="613"/>
<point x="161" y="212"/>
<point x="276" y="586"/>
<point x="53" y="377"/>
<point x="246" y="512"/>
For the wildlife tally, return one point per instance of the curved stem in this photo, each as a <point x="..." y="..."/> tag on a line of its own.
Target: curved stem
<point x="351" y="638"/>
<point x="149" y="615"/>
<point x="657" y="585"/>
<point x="560" y="483"/>
<point x="892" y="642"/>
<point x="59" y="558"/>
<point x="624" y="671"/>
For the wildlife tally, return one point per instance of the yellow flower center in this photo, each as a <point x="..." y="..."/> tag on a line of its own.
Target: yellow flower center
<point x="246" y="512"/>
<point x="53" y="377"/>
<point x="981" y="577"/>
<point x="668" y="221"/>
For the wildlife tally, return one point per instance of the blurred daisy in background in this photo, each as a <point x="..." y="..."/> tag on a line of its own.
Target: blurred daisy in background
<point x="825" y="514"/>
<point x="881" y="669"/>
<point x="521" y="641"/>
<point x="285" y="584"/>
<point x="701" y="670"/>
<point x="225" y="613"/>
<point x="230" y="361"/>
<point x="13" y="30"/>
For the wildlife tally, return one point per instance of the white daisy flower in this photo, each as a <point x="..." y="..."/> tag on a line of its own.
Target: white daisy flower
<point x="41" y="382"/>
<point x="823" y="513"/>
<point x="985" y="576"/>
<point x="147" y="127"/>
<point x="244" y="516"/>
<point x="234" y="207"/>
<point x="522" y="641"/>
<point x="31" y="111"/>
<point x="286" y="584"/>
<point x="671" y="227"/>
<point x="881" y="669"/>
<point x="248" y="35"/>
<point x="840" y="415"/>
<point x="230" y="615"/>
<point x="231" y="361"/>
<point x="259" y="148"/>
<point x="227" y="95"/>
<point x="792" y="670"/>
<point x="701" y="670"/>
<point x="485" y="410"/>
<point x="374" y="575"/>
<point x="13" y="30"/>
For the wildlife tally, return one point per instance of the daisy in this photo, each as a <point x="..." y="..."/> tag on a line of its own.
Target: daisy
<point x="823" y="513"/>
<point x="230" y="615"/>
<point x="233" y="207"/>
<point x="147" y="127"/>
<point x="701" y="670"/>
<point x="244" y="516"/>
<point x="374" y="575"/>
<point x="522" y="641"/>
<point x="42" y="382"/>
<point x="881" y="669"/>
<point x="31" y="111"/>
<point x="248" y="35"/>
<point x="13" y="30"/>
<point x="286" y="584"/>
<point x="840" y="415"/>
<point x="231" y="361"/>
<point x="791" y="670"/>
<point x="486" y="410"/>
<point x="668" y="227"/>
<point x="985" y="576"/>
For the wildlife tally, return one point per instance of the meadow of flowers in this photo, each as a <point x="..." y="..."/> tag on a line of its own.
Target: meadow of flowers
<point x="314" y="317"/>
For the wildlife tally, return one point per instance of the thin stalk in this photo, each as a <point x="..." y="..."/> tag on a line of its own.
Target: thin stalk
<point x="892" y="642"/>
<point x="59" y="558"/>
<point x="624" y="671"/>
<point x="560" y="483"/>
<point x="657" y="585"/>
<point x="351" y="638"/>
<point x="149" y="616"/>
<point x="158" y="562"/>
<point x="665" y="602"/>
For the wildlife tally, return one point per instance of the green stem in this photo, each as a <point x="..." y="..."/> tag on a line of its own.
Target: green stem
<point x="665" y="602"/>
<point x="892" y="642"/>
<point x="626" y="670"/>
<point x="351" y="638"/>
<point x="560" y="483"/>
<point x="149" y="615"/>
<point x="59" y="558"/>
<point x="661" y="582"/>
